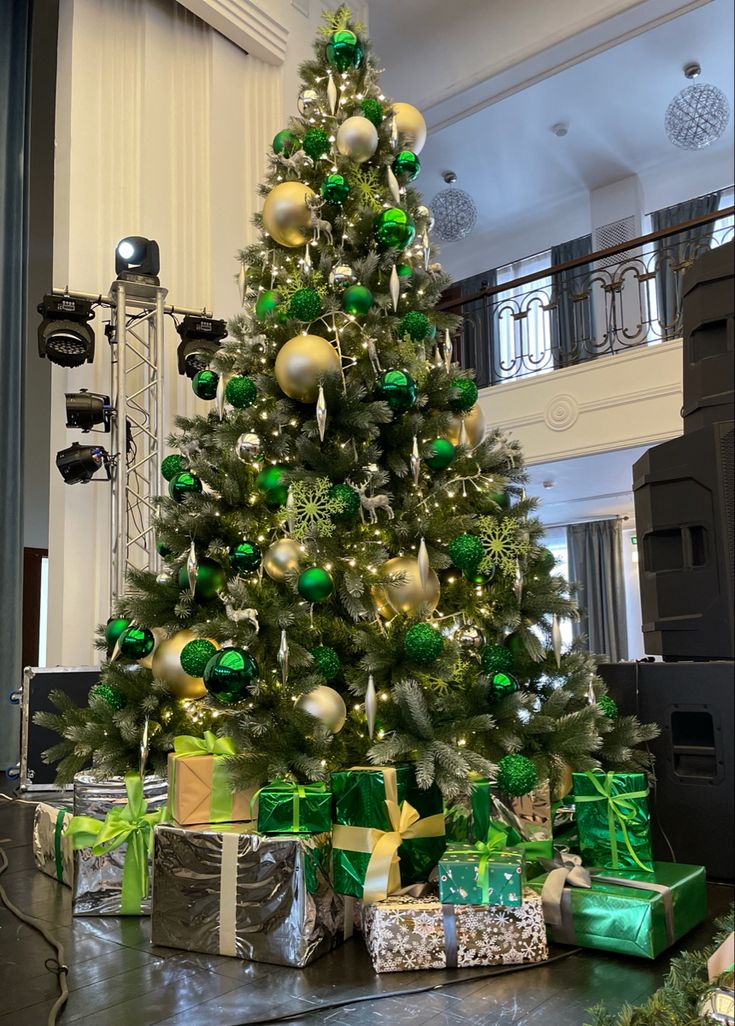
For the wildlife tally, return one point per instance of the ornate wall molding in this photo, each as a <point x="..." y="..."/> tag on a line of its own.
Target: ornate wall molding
<point x="244" y="23"/>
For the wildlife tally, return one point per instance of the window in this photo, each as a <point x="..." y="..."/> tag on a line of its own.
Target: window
<point x="523" y="326"/>
<point x="555" y="540"/>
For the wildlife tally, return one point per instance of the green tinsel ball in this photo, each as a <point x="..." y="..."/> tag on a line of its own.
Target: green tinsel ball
<point x="204" y="384"/>
<point x="394" y="229"/>
<point x="372" y="109"/>
<point x="266" y="303"/>
<point x="357" y="300"/>
<point x="349" y="499"/>
<point x="464" y="394"/>
<point x="516" y="775"/>
<point x="398" y="389"/>
<point x="344" y="50"/>
<point x="245" y="557"/>
<point x="136" y="642"/>
<point x="172" y="465"/>
<point x="195" y="655"/>
<point x="335" y="189"/>
<point x="326" y="661"/>
<point x="241" y="392"/>
<point x="496" y="659"/>
<point x="442" y="454"/>
<point x="406" y="166"/>
<point x="286" y="142"/>
<point x="466" y="552"/>
<point x="608" y="706"/>
<point x="228" y="674"/>
<point x="316" y="143"/>
<point x="270" y="482"/>
<point x="109" y="695"/>
<point x="184" y="484"/>
<point x="211" y="579"/>
<point x="423" y="643"/>
<point x="414" y="324"/>
<point x="315" y="584"/>
<point x="113" y="629"/>
<point x="305" y="305"/>
<point x="502" y="684"/>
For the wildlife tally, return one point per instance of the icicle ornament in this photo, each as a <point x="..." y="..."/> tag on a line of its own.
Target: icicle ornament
<point x="321" y="414"/>
<point x="424" y="566"/>
<point x="556" y="639"/>
<point x="192" y="565"/>
<point x="371" y="706"/>
<point x="332" y="94"/>
<point x="283" y="657"/>
<point x="220" y="397"/>
<point x="394" y="287"/>
<point x="393" y="186"/>
<point x="415" y="461"/>
<point x="447" y="349"/>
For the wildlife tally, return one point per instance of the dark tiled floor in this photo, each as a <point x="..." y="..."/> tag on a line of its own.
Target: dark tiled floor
<point x="118" y="978"/>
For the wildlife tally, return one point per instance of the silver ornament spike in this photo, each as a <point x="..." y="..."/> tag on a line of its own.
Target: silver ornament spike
<point x="393" y="132"/>
<point x="321" y="413"/>
<point x="144" y="747"/>
<point x="424" y="566"/>
<point x="463" y="436"/>
<point x="191" y="568"/>
<point x="393" y="186"/>
<point x="415" y="461"/>
<point x="427" y="249"/>
<point x="220" y="397"/>
<point x="371" y="706"/>
<point x="395" y="287"/>
<point x="591" y="696"/>
<point x="289" y="510"/>
<point x="283" y="657"/>
<point x="242" y="283"/>
<point x="332" y="94"/>
<point x="447" y="349"/>
<point x="556" y="639"/>
<point x="518" y="582"/>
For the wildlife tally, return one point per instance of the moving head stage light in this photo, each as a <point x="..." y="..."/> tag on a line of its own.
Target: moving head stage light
<point x="84" y="410"/>
<point x="138" y="260"/>
<point x="64" y="335"/>
<point x="200" y="339"/>
<point x="79" y="463"/>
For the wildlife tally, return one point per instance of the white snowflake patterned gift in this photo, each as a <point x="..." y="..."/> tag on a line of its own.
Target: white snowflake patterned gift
<point x="404" y="933"/>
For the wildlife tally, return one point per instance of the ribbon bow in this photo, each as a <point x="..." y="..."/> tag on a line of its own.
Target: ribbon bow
<point x="565" y="869"/>
<point x="621" y="810"/>
<point x="297" y="791"/>
<point x="498" y="838"/>
<point x="210" y="744"/>
<point x="130" y="824"/>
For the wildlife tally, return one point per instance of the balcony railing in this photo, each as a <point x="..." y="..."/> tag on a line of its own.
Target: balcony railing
<point x="597" y="305"/>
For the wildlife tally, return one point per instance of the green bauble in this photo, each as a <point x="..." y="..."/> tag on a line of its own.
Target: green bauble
<point x="204" y="384"/>
<point x="326" y="661"/>
<point x="499" y="498"/>
<point x="442" y="454"/>
<point x="466" y="552"/>
<point x="517" y="647"/>
<point x="357" y="300"/>
<point x="245" y="558"/>
<point x="113" y="629"/>
<point x="372" y="109"/>
<point x="270" y="482"/>
<point x="414" y="324"/>
<point x="404" y="270"/>
<point x="501" y="685"/>
<point x="172" y="465"/>
<point x="211" y="578"/>
<point x="266" y="303"/>
<point x="496" y="659"/>
<point x="184" y="484"/>
<point x="394" y="229"/>
<point x="162" y="549"/>
<point x="480" y="578"/>
<point x="136" y="642"/>
<point x="546" y="560"/>
<point x="305" y="305"/>
<point x="315" y="584"/>
<point x="516" y="775"/>
<point x="228" y="675"/>
<point x="241" y="392"/>
<point x="335" y="189"/>
<point x="464" y="395"/>
<point x="608" y="706"/>
<point x="344" y="50"/>
<point x="195" y="655"/>
<point x="109" y="695"/>
<point x="398" y="389"/>
<point x="406" y="166"/>
<point x="349" y="499"/>
<point x="286" y="142"/>
<point x="423" y="643"/>
<point x="316" y="143"/>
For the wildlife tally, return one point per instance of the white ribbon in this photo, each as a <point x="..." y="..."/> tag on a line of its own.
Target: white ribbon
<point x="228" y="895"/>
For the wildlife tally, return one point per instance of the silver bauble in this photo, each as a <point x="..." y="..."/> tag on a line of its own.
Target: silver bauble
<point x="411" y="126"/>
<point x="303" y="363"/>
<point x="286" y="216"/>
<point x="247" y="446"/>
<point x="308" y="101"/>
<point x="164" y="577"/>
<point x="282" y="558"/>
<point x="474" y="425"/>
<point x="470" y="636"/>
<point x="425" y="214"/>
<point x="341" y="274"/>
<point x="409" y="596"/>
<point x="166" y="666"/>
<point x="326" y="705"/>
<point x="357" y="138"/>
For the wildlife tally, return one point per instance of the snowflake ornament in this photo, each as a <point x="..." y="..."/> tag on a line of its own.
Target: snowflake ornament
<point x="503" y="543"/>
<point x="366" y="183"/>
<point x="311" y="509"/>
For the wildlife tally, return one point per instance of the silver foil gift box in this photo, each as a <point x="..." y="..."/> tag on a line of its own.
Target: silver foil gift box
<point x="52" y="851"/>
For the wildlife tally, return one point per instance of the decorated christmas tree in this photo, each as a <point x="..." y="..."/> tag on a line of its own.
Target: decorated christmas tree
<point x="353" y="573"/>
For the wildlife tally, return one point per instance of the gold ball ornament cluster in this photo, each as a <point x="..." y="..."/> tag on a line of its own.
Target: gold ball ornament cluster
<point x="411" y="126"/>
<point x="166" y="666"/>
<point x="474" y="423"/>
<point x="302" y="364"/>
<point x="357" y="138"/>
<point x="409" y="596"/>
<point x="324" y="704"/>
<point x="286" y="216"/>
<point x="282" y="559"/>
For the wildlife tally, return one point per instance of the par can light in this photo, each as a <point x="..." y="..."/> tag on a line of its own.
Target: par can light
<point x="201" y="337"/>
<point x="79" y="463"/>
<point x="85" y="410"/>
<point x="64" y="335"/>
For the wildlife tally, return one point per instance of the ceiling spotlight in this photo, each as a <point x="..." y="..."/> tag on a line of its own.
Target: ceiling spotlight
<point x="64" y="334"/>
<point x="79" y="463"/>
<point x="698" y="115"/>
<point x="84" y="410"/>
<point x="560" y="129"/>
<point x="201" y="337"/>
<point x="548" y="484"/>
<point x="138" y="260"/>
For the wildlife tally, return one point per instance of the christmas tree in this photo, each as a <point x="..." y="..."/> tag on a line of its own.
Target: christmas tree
<point x="353" y="571"/>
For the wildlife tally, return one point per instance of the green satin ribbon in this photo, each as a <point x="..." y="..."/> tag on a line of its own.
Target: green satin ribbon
<point x="620" y="811"/>
<point x="58" y="854"/>
<point x="129" y="824"/>
<point x="208" y="744"/>
<point x="220" y="802"/>
<point x="297" y="791"/>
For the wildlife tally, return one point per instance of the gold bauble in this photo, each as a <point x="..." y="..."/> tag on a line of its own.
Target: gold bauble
<point x="302" y="365"/>
<point x="564" y="784"/>
<point x="474" y="423"/>
<point x="325" y="704"/>
<point x="282" y="558"/>
<point x="357" y="138"/>
<point x="166" y="666"/>
<point x="286" y="216"/>
<point x="411" y="126"/>
<point x="409" y="596"/>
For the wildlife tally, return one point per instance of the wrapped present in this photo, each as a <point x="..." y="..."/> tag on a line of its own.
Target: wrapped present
<point x="406" y="933"/>
<point x="52" y="851"/>
<point x="95" y="798"/>
<point x="387" y="832"/>
<point x="623" y="912"/>
<point x="112" y="856"/>
<point x="613" y="823"/>
<point x="225" y="890"/>
<point x="199" y="784"/>
<point x="285" y="807"/>
<point x="486" y="873"/>
<point x="527" y="820"/>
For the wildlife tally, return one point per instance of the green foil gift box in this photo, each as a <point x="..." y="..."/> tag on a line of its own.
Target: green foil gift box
<point x="613" y="822"/>
<point x="387" y="832"/>
<point x="285" y="807"/>
<point x="484" y="873"/>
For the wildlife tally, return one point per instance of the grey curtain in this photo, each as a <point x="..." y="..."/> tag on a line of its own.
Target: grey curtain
<point x="596" y="568"/>
<point x="479" y="328"/>
<point x="14" y="33"/>
<point x="676" y="252"/>
<point x="572" y="317"/>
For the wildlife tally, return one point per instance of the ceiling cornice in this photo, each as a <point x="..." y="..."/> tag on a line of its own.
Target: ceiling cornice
<point x="245" y="24"/>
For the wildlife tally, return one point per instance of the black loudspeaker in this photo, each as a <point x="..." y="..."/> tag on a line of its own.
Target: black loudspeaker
<point x="692" y="802"/>
<point x="709" y="339"/>
<point x="685" y="519"/>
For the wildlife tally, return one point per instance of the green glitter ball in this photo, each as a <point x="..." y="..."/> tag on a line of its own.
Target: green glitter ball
<point x="414" y="324"/>
<point x="326" y="661"/>
<point x="316" y="143"/>
<point x="136" y="643"/>
<point x="270" y="482"/>
<point x="172" y="465"/>
<point x="113" y="629"/>
<point x="184" y="484"/>
<point x="211" y="579"/>
<point x="501" y="685"/>
<point x="394" y="229"/>
<point x="195" y="655"/>
<point x="406" y="166"/>
<point x="349" y="499"/>
<point x="442" y="454"/>
<point x="266" y="303"/>
<point x="496" y="659"/>
<point x="398" y="389"/>
<point x="464" y="394"/>
<point x="516" y="775"/>
<point x="608" y="706"/>
<point x="423" y="643"/>
<point x="109" y="695"/>
<point x="204" y="384"/>
<point x="241" y="392"/>
<point x="466" y="552"/>
<point x="315" y="584"/>
<point x="372" y="109"/>
<point x="344" y="50"/>
<point x="245" y="557"/>
<point x="228" y="675"/>
<point x="357" y="300"/>
<point x="286" y="142"/>
<point x="335" y="189"/>
<point x="305" y="305"/>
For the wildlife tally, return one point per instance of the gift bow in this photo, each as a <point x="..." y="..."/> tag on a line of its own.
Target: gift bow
<point x="130" y="824"/>
<point x="210" y="744"/>
<point x="564" y="870"/>
<point x="298" y="793"/>
<point x="621" y="809"/>
<point x="499" y="837"/>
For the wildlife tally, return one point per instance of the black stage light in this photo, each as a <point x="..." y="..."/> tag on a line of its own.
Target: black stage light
<point x="138" y="259"/>
<point x="85" y="410"/>
<point x="79" y="463"/>
<point x="201" y="337"/>
<point x="64" y="335"/>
